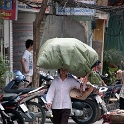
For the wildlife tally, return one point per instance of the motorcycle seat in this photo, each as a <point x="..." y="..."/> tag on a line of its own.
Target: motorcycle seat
<point x="8" y="96"/>
<point x="17" y="91"/>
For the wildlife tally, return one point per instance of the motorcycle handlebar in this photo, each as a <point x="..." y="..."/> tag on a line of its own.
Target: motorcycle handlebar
<point x="46" y="78"/>
<point x="26" y="80"/>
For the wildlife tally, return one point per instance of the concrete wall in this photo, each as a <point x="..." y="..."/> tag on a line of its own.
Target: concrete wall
<point x="63" y="26"/>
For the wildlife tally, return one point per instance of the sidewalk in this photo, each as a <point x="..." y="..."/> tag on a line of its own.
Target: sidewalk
<point x="48" y="121"/>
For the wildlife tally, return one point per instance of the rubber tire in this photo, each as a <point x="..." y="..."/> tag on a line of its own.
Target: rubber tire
<point x="17" y="115"/>
<point x="98" y="110"/>
<point x="41" y="109"/>
<point x="1" y="119"/>
<point x="93" y="116"/>
<point x="51" y="119"/>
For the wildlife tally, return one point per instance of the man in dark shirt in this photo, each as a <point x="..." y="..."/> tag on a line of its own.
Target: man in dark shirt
<point x="98" y="70"/>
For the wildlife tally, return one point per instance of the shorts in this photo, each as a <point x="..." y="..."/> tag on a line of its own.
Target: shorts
<point x="29" y="78"/>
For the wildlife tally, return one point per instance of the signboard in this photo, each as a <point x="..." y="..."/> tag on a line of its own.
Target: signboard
<point x="6" y="4"/>
<point x="8" y="9"/>
<point x="76" y="11"/>
<point x="23" y="7"/>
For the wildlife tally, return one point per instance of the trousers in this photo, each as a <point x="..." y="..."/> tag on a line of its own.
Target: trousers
<point x="61" y="116"/>
<point x="121" y="103"/>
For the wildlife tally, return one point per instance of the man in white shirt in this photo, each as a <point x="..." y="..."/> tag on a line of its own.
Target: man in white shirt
<point x="27" y="60"/>
<point x="58" y="97"/>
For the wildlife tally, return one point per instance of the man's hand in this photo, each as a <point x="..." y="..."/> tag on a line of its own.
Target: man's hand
<point x="26" y="71"/>
<point x="48" y="106"/>
<point x="119" y="73"/>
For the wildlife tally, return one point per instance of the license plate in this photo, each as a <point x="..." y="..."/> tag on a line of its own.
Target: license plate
<point x="1" y="107"/>
<point x="24" y="108"/>
<point x="98" y="99"/>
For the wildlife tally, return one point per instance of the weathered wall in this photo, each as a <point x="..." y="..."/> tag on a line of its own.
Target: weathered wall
<point x="63" y="26"/>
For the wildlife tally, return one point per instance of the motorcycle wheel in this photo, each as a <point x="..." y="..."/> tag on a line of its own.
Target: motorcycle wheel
<point x="39" y="112"/>
<point x="1" y="119"/>
<point x="98" y="110"/>
<point x="89" y="113"/>
<point x="14" y="115"/>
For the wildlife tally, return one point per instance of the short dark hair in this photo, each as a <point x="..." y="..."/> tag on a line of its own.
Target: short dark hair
<point x="96" y="64"/>
<point x="28" y="43"/>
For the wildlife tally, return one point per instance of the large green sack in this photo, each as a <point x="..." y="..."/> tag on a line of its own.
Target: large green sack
<point x="68" y="53"/>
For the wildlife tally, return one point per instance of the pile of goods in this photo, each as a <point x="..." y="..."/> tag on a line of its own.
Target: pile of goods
<point x="117" y="111"/>
<point x="114" y="117"/>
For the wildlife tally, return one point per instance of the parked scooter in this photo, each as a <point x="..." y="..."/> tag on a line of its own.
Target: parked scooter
<point x="95" y="100"/>
<point x="111" y="96"/>
<point x="36" y="110"/>
<point x="10" y="115"/>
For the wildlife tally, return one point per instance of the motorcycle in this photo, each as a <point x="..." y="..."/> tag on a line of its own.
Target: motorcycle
<point x="111" y="96"/>
<point x="28" y="94"/>
<point x="8" y="114"/>
<point x="96" y="107"/>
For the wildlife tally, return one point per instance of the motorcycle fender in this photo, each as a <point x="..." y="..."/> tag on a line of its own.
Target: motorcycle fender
<point x="77" y="105"/>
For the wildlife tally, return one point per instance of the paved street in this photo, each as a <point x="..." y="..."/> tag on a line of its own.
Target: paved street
<point x="72" y="122"/>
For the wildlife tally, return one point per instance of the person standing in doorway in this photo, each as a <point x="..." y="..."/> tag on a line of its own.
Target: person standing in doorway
<point x="27" y="60"/>
<point x="98" y="70"/>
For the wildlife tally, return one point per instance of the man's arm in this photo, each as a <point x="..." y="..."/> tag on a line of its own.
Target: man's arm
<point x="23" y="65"/>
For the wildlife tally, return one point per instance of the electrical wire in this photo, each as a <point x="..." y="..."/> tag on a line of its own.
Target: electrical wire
<point x="72" y="3"/>
<point x="112" y="10"/>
